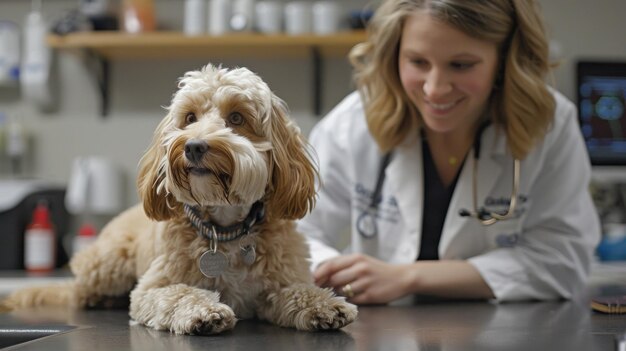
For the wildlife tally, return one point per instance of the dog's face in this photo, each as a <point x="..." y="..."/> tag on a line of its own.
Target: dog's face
<point x="227" y="140"/>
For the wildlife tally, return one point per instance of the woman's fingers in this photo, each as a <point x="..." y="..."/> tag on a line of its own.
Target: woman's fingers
<point x="324" y="274"/>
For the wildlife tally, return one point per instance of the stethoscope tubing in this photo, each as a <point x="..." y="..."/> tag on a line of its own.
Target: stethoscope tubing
<point x="366" y="223"/>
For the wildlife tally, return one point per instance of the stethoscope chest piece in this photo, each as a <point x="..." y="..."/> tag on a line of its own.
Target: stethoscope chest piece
<point x="366" y="224"/>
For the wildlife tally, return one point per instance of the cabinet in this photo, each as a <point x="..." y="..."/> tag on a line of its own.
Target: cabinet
<point x="106" y="47"/>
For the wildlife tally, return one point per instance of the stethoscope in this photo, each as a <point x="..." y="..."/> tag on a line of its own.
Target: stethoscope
<point x="490" y="217"/>
<point x="366" y="223"/>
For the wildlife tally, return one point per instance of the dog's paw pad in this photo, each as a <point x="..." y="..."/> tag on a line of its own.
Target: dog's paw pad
<point x="332" y="316"/>
<point x="214" y="322"/>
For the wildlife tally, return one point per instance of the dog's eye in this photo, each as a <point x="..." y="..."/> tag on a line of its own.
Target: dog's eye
<point x="235" y="118"/>
<point x="191" y="118"/>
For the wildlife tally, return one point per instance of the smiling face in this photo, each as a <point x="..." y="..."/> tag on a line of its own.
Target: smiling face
<point x="447" y="74"/>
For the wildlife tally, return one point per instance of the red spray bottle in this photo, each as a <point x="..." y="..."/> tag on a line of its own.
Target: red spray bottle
<point x="40" y="241"/>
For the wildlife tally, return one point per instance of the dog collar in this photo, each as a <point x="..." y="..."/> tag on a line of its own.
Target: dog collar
<point x="209" y="230"/>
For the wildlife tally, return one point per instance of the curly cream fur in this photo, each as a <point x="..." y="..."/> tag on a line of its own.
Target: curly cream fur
<point x="151" y="251"/>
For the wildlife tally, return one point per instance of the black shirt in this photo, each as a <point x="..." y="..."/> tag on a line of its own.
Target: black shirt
<point x="436" y="202"/>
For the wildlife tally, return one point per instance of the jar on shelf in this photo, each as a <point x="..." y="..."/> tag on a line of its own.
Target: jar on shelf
<point x="138" y="16"/>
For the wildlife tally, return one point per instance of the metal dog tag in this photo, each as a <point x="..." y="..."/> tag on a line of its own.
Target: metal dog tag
<point x="212" y="264"/>
<point x="248" y="254"/>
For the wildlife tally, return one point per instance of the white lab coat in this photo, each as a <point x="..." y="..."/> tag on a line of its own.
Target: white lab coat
<point x="543" y="253"/>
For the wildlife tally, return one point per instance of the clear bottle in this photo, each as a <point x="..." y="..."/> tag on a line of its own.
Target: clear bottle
<point x="40" y="241"/>
<point x="15" y="145"/>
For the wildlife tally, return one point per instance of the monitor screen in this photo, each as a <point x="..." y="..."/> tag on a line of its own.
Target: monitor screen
<point x="601" y="101"/>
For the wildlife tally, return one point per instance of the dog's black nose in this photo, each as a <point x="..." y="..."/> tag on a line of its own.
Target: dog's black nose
<point x="195" y="149"/>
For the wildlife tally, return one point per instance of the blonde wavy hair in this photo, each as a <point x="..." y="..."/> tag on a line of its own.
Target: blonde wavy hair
<point x="520" y="104"/>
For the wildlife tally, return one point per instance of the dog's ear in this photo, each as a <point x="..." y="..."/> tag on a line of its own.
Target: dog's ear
<point x="292" y="192"/>
<point x="151" y="176"/>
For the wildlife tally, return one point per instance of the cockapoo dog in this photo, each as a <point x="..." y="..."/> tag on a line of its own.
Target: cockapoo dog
<point x="225" y="176"/>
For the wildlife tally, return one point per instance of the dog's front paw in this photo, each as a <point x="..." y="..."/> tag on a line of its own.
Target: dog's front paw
<point x="205" y="320"/>
<point x="333" y="314"/>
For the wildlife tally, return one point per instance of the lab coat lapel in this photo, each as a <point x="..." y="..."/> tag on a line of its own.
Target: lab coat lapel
<point x="405" y="182"/>
<point x="489" y="169"/>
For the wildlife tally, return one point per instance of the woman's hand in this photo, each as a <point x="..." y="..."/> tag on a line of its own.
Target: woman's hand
<point x="367" y="280"/>
<point x="371" y="281"/>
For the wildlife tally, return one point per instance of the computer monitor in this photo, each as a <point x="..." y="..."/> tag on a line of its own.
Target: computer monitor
<point x="601" y="100"/>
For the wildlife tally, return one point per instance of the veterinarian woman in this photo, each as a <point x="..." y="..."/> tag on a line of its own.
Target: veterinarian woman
<point x="454" y="171"/>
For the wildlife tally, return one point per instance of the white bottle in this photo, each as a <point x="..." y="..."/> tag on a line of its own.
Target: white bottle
<point x="36" y="63"/>
<point x="9" y="53"/>
<point x="39" y="241"/>
<point x="298" y="18"/>
<point x="219" y="14"/>
<point x="86" y="236"/>
<point x="195" y="17"/>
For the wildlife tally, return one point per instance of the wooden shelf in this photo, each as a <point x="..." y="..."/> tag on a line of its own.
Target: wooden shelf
<point x="109" y="46"/>
<point x="115" y="45"/>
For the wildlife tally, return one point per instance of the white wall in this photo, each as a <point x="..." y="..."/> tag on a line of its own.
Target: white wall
<point x="139" y="88"/>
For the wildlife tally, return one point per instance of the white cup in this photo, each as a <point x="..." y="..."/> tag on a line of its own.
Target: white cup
<point x="269" y="17"/>
<point x="242" y="19"/>
<point x="219" y="16"/>
<point x="95" y="186"/>
<point x="326" y="17"/>
<point x="298" y="18"/>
